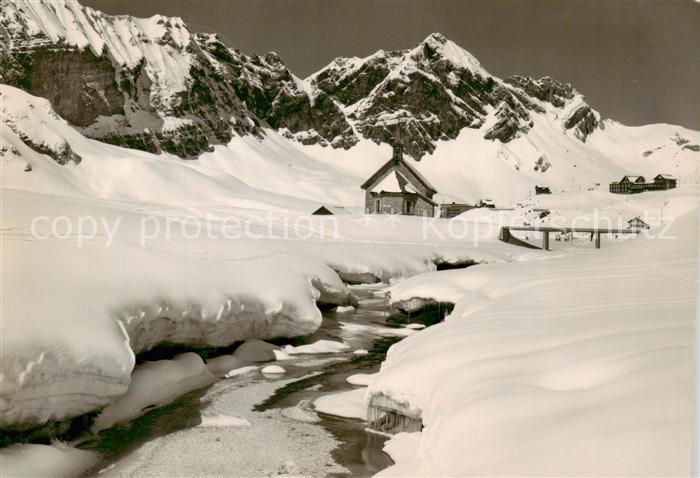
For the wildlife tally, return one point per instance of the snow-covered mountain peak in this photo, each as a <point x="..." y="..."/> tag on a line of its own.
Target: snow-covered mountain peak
<point x="122" y="37"/>
<point x="436" y="44"/>
<point x="149" y="84"/>
<point x="31" y="126"/>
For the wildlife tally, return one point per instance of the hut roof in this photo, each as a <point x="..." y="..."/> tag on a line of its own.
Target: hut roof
<point x="664" y="176"/>
<point x="330" y="211"/>
<point x="392" y="163"/>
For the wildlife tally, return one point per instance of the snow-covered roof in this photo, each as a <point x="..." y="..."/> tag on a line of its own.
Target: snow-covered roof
<point x="633" y="179"/>
<point x="390" y="184"/>
<point x="330" y="210"/>
<point x="393" y="163"/>
<point x="637" y="219"/>
<point x="664" y="176"/>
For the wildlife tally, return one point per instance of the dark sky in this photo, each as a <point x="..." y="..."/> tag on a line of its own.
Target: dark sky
<point x="635" y="61"/>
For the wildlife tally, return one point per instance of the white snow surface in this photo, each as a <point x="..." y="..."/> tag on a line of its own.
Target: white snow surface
<point x="348" y="404"/>
<point x="86" y="334"/>
<point x="575" y="365"/>
<point x="273" y="370"/>
<point x="68" y="350"/>
<point x="154" y="384"/>
<point x="318" y="347"/>
<point x="362" y="379"/>
<point x="56" y="460"/>
<point x="241" y="371"/>
<point x="126" y="40"/>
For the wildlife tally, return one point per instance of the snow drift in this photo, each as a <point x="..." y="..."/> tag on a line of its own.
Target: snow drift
<point x="576" y="365"/>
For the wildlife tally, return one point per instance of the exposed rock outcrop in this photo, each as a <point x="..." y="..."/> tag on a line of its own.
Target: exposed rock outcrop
<point x="583" y="121"/>
<point x="161" y="88"/>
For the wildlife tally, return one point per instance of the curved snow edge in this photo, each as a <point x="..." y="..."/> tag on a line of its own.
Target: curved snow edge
<point x="56" y="385"/>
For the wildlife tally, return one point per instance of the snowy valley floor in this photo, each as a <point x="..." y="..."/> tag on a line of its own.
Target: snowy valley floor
<point x="570" y="362"/>
<point x="575" y="365"/>
<point x="222" y="430"/>
<point x="534" y="335"/>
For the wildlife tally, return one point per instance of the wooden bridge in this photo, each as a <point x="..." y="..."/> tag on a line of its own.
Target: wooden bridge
<point x="596" y="232"/>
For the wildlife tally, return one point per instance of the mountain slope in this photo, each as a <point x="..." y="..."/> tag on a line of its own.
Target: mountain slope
<point x="40" y="152"/>
<point x="150" y="84"/>
<point x="417" y="97"/>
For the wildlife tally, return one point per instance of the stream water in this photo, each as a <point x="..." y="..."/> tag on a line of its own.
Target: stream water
<point x="280" y="436"/>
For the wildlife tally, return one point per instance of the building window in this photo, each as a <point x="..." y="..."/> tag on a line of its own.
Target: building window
<point x="377" y="205"/>
<point x="409" y="206"/>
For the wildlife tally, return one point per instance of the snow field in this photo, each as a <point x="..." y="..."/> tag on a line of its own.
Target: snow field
<point x="58" y="459"/>
<point x="155" y="384"/>
<point x="581" y="364"/>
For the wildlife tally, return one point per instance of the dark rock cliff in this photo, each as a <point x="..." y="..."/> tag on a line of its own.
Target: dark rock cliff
<point x="165" y="89"/>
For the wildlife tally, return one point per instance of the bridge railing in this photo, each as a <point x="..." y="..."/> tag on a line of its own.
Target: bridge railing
<point x="595" y="232"/>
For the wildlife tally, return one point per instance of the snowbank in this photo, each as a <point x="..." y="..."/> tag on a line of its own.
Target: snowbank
<point x="67" y="350"/>
<point x="349" y="404"/>
<point x="376" y="330"/>
<point x="155" y="384"/>
<point x="45" y="460"/>
<point x="318" y="347"/>
<point x="223" y="364"/>
<point x="273" y="370"/>
<point x="581" y="365"/>
<point x="362" y="379"/>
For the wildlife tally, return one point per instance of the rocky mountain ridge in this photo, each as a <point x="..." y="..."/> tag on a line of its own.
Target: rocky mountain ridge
<point x="151" y="84"/>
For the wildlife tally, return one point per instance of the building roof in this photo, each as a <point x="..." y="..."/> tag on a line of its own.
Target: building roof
<point x="638" y="221"/>
<point x="393" y="162"/>
<point x="664" y="176"/>
<point x="390" y="184"/>
<point x="633" y="179"/>
<point x="330" y="210"/>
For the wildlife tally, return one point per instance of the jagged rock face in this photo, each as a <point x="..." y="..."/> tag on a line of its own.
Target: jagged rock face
<point x="152" y="89"/>
<point x="544" y="89"/>
<point x="351" y="79"/>
<point x="583" y="121"/>
<point x="62" y="155"/>
<point x="273" y="95"/>
<point x="161" y="88"/>
<point x="410" y="97"/>
<point x="80" y="85"/>
<point x="430" y="93"/>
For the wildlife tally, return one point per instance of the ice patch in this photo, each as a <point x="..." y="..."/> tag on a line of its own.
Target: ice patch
<point x="345" y="308"/>
<point x="349" y="404"/>
<point x="377" y="330"/>
<point x="241" y="371"/>
<point x="318" y="347"/>
<point x="363" y="379"/>
<point x="273" y="370"/>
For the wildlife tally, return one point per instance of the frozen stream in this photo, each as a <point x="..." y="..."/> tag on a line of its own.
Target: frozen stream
<point x="224" y="430"/>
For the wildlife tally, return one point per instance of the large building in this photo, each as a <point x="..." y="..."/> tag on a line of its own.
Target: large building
<point x="397" y="188"/>
<point x="628" y="184"/>
<point x="637" y="184"/>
